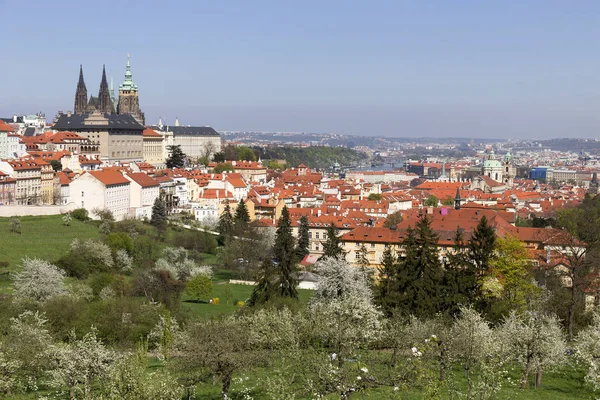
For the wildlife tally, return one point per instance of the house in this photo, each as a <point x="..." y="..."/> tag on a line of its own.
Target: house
<point x="104" y="189"/>
<point x="8" y="189"/>
<point x="143" y="192"/>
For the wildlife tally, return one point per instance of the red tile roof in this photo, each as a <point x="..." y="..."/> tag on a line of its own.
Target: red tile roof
<point x="143" y="179"/>
<point x="109" y="177"/>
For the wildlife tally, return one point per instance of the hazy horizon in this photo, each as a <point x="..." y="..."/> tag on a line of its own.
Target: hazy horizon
<point x="386" y="68"/>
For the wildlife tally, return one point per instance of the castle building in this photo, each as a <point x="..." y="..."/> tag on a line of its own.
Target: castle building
<point x="128" y="102"/>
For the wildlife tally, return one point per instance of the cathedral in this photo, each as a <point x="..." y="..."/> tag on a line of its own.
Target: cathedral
<point x="127" y="104"/>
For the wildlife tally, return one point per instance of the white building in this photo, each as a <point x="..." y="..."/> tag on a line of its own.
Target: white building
<point x="195" y="141"/>
<point x="104" y="190"/>
<point x="143" y="192"/>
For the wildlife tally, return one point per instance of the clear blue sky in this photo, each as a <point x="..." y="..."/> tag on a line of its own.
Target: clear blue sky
<point x="399" y="68"/>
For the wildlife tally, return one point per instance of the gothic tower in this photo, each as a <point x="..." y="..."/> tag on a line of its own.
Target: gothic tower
<point x="80" y="95"/>
<point x="104" y="102"/>
<point x="129" y="102"/>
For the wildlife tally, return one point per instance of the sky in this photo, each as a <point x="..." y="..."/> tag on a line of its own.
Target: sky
<point x="414" y="68"/>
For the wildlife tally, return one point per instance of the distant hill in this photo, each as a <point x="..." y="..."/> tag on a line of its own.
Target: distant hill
<point x="314" y="156"/>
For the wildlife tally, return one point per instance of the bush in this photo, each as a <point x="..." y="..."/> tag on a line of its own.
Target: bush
<point x="199" y="287"/>
<point x="80" y="214"/>
<point x="120" y="241"/>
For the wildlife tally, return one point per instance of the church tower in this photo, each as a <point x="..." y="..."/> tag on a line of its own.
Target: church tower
<point x="104" y="102"/>
<point x="129" y="102"/>
<point x="80" y="94"/>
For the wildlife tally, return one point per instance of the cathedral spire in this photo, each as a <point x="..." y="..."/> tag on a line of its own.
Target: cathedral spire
<point x="80" y="94"/>
<point x="128" y="82"/>
<point x="104" y="101"/>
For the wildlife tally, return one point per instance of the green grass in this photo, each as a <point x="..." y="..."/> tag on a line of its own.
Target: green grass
<point x="223" y="289"/>
<point x="43" y="237"/>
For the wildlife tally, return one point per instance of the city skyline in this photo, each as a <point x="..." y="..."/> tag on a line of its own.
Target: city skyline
<point x="386" y="69"/>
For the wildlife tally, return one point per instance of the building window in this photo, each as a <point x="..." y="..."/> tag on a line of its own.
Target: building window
<point x="316" y="235"/>
<point x="82" y="194"/>
<point x="310" y="235"/>
<point x="357" y="255"/>
<point x="357" y="244"/>
<point x="316" y="246"/>
<point x="372" y="245"/>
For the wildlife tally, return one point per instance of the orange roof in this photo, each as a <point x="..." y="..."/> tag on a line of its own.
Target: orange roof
<point x="151" y="133"/>
<point x="143" y="179"/>
<point x="4" y="127"/>
<point x="109" y="177"/>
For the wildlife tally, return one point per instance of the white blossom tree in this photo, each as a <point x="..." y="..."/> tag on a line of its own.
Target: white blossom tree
<point x="476" y="347"/>
<point x="587" y="347"/>
<point x="176" y="261"/>
<point x="78" y="364"/>
<point x="25" y="347"/>
<point x="39" y="280"/>
<point x="537" y="341"/>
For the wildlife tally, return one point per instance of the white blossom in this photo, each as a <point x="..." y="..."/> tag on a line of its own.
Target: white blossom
<point x="39" y="280"/>
<point x="587" y="349"/>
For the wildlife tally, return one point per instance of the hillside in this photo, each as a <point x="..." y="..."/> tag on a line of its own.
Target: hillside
<point x="313" y="157"/>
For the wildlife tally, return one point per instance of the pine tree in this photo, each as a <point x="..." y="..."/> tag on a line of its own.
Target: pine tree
<point x="278" y="279"/>
<point x="303" y="243"/>
<point x="481" y="246"/>
<point x="420" y="273"/>
<point x="332" y="246"/>
<point x="242" y="218"/>
<point x="284" y="250"/>
<point x="159" y="214"/>
<point x="386" y="293"/>
<point x="460" y="286"/>
<point x="226" y="221"/>
<point x="176" y="157"/>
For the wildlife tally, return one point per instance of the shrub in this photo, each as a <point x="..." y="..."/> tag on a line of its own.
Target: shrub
<point x="80" y="214"/>
<point x="199" y="287"/>
<point x="120" y="241"/>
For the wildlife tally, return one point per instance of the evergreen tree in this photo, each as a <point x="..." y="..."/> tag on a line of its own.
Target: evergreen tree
<point x="420" y="273"/>
<point x="332" y="246"/>
<point x="176" y="157"/>
<point x="387" y="292"/>
<point x="226" y="222"/>
<point x="242" y="218"/>
<point x="284" y="250"/>
<point x="303" y="243"/>
<point x="481" y="246"/>
<point x="278" y="279"/>
<point x="460" y="285"/>
<point x="159" y="214"/>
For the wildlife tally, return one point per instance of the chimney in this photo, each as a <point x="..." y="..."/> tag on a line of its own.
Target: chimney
<point x="548" y="257"/>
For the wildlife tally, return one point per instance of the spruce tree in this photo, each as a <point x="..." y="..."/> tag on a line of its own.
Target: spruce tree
<point x="303" y="242"/>
<point x="460" y="285"/>
<point x="386" y="291"/>
<point x="481" y="246"/>
<point x="226" y="222"/>
<point x="176" y="157"/>
<point x="420" y="274"/>
<point x="278" y="279"/>
<point x="242" y="218"/>
<point x="159" y="214"/>
<point x="332" y="246"/>
<point x="285" y="253"/>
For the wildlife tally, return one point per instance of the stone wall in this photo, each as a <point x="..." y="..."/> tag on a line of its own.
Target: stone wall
<point x="20" y="211"/>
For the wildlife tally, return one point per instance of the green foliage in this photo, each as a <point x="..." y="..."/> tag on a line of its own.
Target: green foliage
<point x="15" y="225"/>
<point x="56" y="165"/>
<point x="273" y="164"/>
<point x="303" y="240"/>
<point x="242" y="218"/>
<point x="80" y="214"/>
<point x="223" y="167"/>
<point x="245" y="154"/>
<point x="374" y="196"/>
<point x="448" y="201"/>
<point x="431" y="201"/>
<point x="226" y="223"/>
<point x="481" y="246"/>
<point x="333" y="246"/>
<point x="176" y="157"/>
<point x="279" y="278"/>
<point x="199" y="287"/>
<point x="119" y="241"/>
<point x="393" y="220"/>
<point x="159" y="215"/>
<point x="313" y="156"/>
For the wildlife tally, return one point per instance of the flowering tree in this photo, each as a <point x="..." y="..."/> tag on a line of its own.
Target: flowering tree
<point x="78" y="364"/>
<point x="39" y="280"/>
<point x="25" y="349"/>
<point x="475" y="345"/>
<point x="176" y="261"/>
<point x="536" y="340"/>
<point x="587" y="347"/>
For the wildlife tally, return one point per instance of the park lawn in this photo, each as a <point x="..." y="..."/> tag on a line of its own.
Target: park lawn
<point x="227" y="293"/>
